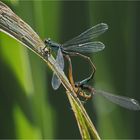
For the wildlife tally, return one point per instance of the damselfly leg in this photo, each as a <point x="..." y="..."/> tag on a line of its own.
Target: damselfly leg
<point x="45" y="52"/>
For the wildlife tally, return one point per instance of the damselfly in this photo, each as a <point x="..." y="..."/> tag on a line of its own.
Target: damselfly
<point x="122" y="101"/>
<point x="87" y="91"/>
<point x="76" y="46"/>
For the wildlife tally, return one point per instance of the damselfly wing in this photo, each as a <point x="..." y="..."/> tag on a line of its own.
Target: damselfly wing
<point x="60" y="64"/>
<point x="122" y="101"/>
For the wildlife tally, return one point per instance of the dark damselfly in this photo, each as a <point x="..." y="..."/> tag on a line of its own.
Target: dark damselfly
<point x="86" y="91"/>
<point x="76" y="46"/>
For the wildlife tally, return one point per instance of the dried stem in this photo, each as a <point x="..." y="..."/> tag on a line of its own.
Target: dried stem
<point x="14" y="26"/>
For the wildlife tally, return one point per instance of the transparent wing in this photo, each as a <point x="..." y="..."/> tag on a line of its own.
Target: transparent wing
<point x="125" y="102"/>
<point x="89" y="34"/>
<point x="60" y="64"/>
<point x="55" y="82"/>
<point x="89" y="47"/>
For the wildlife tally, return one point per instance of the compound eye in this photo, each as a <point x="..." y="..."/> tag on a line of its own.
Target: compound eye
<point x="48" y="40"/>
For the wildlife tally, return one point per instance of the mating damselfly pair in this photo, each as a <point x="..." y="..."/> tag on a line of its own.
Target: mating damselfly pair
<point x="75" y="47"/>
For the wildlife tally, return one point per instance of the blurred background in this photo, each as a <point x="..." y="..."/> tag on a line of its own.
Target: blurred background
<point x="30" y="108"/>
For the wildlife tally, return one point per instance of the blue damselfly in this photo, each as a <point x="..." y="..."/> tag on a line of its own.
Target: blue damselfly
<point x="76" y="46"/>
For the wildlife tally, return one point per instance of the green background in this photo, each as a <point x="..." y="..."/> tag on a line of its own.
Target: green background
<point x="30" y="108"/>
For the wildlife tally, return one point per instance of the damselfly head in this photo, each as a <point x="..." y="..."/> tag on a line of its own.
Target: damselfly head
<point x="48" y="41"/>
